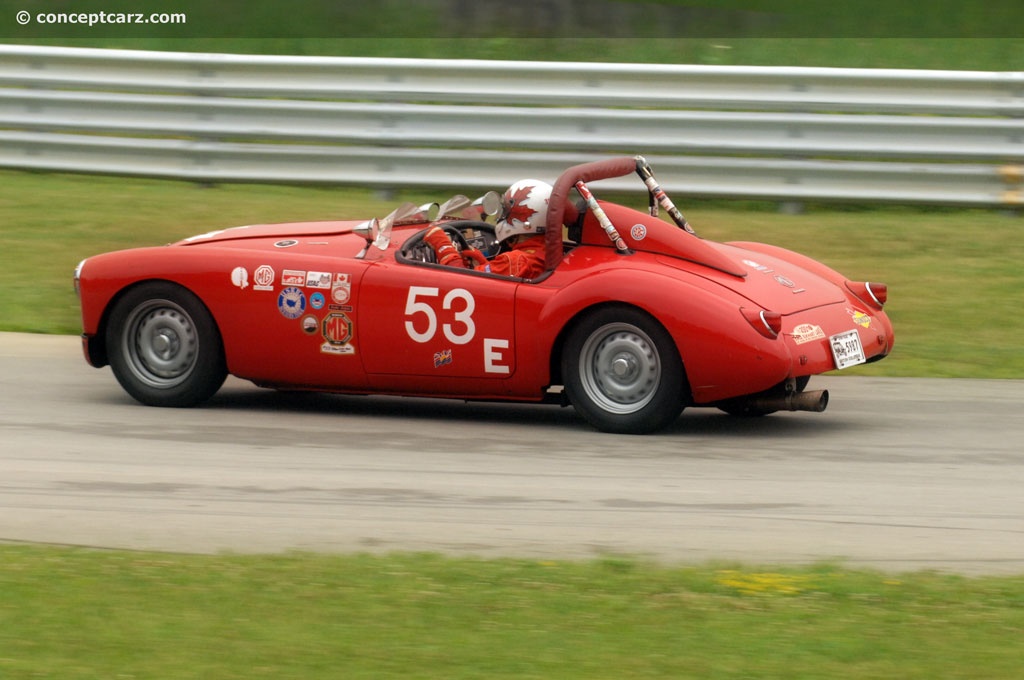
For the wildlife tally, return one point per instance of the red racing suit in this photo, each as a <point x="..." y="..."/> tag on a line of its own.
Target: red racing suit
<point x="526" y="259"/>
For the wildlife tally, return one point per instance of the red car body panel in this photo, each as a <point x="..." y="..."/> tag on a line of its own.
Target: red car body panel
<point x="297" y="308"/>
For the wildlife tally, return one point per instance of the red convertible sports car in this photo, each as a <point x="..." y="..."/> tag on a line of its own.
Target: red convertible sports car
<point x="632" y="318"/>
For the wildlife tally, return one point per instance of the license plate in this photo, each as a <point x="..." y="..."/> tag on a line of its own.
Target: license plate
<point x="847" y="350"/>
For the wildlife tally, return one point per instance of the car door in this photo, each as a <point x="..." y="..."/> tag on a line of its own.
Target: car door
<point x="453" y="327"/>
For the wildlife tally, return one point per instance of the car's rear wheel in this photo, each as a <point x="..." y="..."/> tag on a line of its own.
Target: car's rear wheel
<point x="164" y="346"/>
<point x="622" y="371"/>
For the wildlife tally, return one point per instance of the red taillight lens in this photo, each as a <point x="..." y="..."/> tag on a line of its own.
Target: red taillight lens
<point x="768" y="324"/>
<point x="879" y="292"/>
<point x="872" y="293"/>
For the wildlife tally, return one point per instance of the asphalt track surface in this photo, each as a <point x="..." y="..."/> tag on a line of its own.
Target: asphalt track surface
<point x="898" y="474"/>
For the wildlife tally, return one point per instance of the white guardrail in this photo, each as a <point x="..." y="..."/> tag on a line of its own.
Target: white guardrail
<point x="788" y="134"/>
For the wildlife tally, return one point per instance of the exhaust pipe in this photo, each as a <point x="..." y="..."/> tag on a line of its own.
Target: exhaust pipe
<point x="798" y="401"/>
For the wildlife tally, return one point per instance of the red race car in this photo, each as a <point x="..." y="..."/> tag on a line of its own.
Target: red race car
<point x="627" y="317"/>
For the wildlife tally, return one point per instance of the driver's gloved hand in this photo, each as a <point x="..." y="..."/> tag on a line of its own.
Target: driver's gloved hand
<point x="443" y="247"/>
<point x="474" y="258"/>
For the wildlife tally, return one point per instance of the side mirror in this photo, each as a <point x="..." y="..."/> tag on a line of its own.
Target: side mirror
<point x="368" y="230"/>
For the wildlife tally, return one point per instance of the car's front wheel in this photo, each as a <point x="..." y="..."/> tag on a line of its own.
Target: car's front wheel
<point x="164" y="346"/>
<point x="622" y="371"/>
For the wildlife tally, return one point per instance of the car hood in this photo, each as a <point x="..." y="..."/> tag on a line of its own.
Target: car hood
<point x="289" y="230"/>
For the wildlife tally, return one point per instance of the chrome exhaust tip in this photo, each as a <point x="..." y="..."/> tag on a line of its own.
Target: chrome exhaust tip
<point x="816" y="401"/>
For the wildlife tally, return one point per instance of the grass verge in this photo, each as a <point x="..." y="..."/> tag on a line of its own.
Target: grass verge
<point x="954" y="275"/>
<point x="78" y="613"/>
<point x="978" y="54"/>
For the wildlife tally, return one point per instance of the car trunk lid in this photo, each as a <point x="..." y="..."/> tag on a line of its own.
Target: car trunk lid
<point x="770" y="282"/>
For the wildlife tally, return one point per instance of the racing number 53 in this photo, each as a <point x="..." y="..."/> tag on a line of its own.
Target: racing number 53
<point x="458" y="304"/>
<point x="421" y="300"/>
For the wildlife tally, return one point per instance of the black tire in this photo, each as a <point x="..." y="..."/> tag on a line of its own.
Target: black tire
<point x="164" y="346"/>
<point x="622" y="371"/>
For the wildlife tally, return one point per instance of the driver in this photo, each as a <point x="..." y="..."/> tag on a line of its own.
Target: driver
<point x="521" y="226"/>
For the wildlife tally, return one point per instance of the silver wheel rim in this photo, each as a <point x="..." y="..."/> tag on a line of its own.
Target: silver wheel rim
<point x="620" y="368"/>
<point x="160" y="343"/>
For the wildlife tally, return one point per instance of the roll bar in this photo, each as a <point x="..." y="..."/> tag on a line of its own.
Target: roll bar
<point x="558" y="204"/>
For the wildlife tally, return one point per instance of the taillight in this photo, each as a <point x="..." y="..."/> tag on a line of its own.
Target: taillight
<point x="78" y="278"/>
<point x="872" y="293"/>
<point x="879" y="292"/>
<point x="768" y="324"/>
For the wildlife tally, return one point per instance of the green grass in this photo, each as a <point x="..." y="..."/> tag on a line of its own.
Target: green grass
<point x="947" y="34"/>
<point x="981" y="54"/>
<point x="77" y="613"/>
<point x="956" y="283"/>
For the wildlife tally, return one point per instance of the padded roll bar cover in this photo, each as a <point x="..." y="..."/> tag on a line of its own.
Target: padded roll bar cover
<point x="558" y="206"/>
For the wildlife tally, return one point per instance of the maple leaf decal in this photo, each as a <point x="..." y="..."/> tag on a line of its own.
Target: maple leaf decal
<point x="517" y="210"/>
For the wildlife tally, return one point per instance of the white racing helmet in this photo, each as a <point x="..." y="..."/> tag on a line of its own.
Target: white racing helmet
<point x="524" y="209"/>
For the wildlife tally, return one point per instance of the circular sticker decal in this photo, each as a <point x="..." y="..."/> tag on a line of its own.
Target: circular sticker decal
<point x="317" y="301"/>
<point x="291" y="302"/>
<point x="240" y="277"/>
<point x="310" y="324"/>
<point x="638" y="232"/>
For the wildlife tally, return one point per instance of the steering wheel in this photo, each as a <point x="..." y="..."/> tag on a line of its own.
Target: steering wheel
<point x="417" y="250"/>
<point x="470" y="255"/>
<point x="458" y="240"/>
